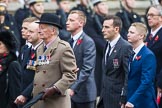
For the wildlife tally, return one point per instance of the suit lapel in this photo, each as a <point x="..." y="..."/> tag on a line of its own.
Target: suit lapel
<point x="155" y="39"/>
<point x="114" y="53"/>
<point x="136" y="60"/>
<point x="26" y="56"/>
<point x="79" y="41"/>
<point x="50" y="50"/>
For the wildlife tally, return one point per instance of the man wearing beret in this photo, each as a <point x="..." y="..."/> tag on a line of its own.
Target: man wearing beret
<point x="56" y="64"/>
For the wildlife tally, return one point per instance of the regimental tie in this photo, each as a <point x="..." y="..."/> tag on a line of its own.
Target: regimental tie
<point x="44" y="48"/>
<point x="108" y="49"/>
<point x="150" y="37"/>
<point x="71" y="41"/>
<point x="33" y="54"/>
<point x="131" y="58"/>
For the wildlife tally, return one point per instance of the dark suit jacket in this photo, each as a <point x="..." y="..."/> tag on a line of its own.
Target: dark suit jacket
<point x="27" y="75"/>
<point x="84" y="86"/>
<point x="115" y="75"/>
<point x="141" y="80"/>
<point x="155" y="45"/>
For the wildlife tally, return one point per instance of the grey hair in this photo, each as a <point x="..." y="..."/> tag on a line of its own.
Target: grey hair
<point x="158" y="7"/>
<point x="56" y="28"/>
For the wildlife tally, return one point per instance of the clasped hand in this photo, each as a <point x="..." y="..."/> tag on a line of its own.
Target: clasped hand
<point x="48" y="92"/>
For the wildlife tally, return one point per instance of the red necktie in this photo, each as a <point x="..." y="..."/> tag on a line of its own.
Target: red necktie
<point x="32" y="54"/>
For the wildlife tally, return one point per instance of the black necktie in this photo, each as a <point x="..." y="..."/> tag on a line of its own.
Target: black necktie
<point x="131" y="56"/>
<point x="131" y="59"/>
<point x="45" y="48"/>
<point x="71" y="42"/>
<point x="108" y="52"/>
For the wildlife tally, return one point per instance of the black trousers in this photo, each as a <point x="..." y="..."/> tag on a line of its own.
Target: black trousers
<point x="91" y="104"/>
<point x="100" y="104"/>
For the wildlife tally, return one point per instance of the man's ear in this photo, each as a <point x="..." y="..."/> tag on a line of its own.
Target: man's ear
<point x="117" y="29"/>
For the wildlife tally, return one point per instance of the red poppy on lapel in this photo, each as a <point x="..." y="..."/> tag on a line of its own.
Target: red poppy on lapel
<point x="156" y="38"/>
<point x="138" y="58"/>
<point x="158" y="99"/>
<point x="80" y="40"/>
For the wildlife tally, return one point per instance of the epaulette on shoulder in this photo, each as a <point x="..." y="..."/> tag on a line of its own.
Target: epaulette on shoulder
<point x="63" y="42"/>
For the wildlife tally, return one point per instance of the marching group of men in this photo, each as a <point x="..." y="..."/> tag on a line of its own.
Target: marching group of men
<point x="73" y="56"/>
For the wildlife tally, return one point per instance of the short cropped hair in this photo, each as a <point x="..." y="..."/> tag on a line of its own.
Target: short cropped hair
<point x="158" y="7"/>
<point x="116" y="21"/>
<point x="81" y="15"/>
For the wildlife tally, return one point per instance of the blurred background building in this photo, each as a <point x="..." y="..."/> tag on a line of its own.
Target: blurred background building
<point x="114" y="5"/>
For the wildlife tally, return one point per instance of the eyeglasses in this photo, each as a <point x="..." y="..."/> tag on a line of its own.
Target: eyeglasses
<point x="151" y="15"/>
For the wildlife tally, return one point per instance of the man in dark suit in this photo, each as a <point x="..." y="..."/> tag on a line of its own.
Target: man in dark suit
<point x="154" y="41"/>
<point x="27" y="66"/>
<point x="115" y="65"/>
<point x="83" y="91"/>
<point x="141" y="93"/>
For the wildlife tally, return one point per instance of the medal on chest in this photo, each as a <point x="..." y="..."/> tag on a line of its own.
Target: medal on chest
<point x="43" y="59"/>
<point x="31" y="65"/>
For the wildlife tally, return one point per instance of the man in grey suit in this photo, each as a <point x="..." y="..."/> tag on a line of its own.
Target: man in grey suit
<point x="83" y="91"/>
<point x="115" y="65"/>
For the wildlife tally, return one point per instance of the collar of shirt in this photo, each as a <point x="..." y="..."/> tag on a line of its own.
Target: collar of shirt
<point x="28" y="44"/>
<point x="76" y="37"/>
<point x="137" y="50"/>
<point x="154" y="32"/>
<point x="50" y="42"/>
<point x="37" y="45"/>
<point x="113" y="42"/>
